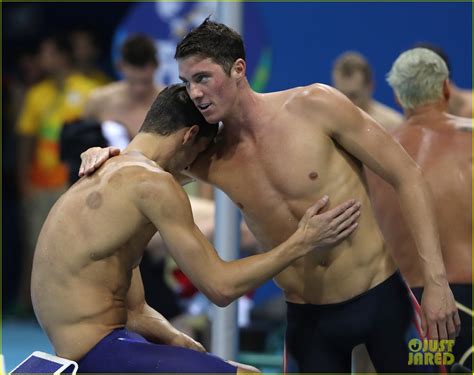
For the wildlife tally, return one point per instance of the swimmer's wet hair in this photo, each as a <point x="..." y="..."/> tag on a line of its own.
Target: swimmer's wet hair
<point x="417" y="77"/>
<point x="173" y="110"/>
<point x="438" y="50"/>
<point x="139" y="50"/>
<point x="214" y="40"/>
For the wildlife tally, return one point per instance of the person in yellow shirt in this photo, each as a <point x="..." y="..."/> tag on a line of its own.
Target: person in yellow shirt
<point x="48" y="106"/>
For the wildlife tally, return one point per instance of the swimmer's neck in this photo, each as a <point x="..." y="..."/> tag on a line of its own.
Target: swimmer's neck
<point x="429" y="109"/>
<point x="244" y="117"/>
<point x="155" y="147"/>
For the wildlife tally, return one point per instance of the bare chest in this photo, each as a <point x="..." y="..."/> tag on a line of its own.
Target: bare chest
<point x="275" y="179"/>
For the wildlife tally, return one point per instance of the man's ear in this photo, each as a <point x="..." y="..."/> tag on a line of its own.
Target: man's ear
<point x="446" y="89"/>
<point x="238" y="69"/>
<point x="190" y="135"/>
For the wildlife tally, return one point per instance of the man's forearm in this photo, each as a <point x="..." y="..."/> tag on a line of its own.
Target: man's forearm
<point x="417" y="206"/>
<point x="151" y="325"/>
<point x="238" y="277"/>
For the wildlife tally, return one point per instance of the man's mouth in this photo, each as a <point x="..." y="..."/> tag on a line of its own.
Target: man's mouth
<point x="203" y="107"/>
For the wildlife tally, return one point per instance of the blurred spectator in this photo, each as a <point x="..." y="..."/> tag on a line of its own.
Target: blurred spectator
<point x="352" y="75"/>
<point x="86" y="52"/>
<point x="41" y="177"/>
<point x="126" y="102"/>
<point x="29" y="72"/>
<point x="460" y="101"/>
<point x="14" y="87"/>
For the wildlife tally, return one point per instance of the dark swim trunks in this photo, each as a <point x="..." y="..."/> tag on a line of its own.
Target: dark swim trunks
<point x="320" y="338"/>
<point x="123" y="351"/>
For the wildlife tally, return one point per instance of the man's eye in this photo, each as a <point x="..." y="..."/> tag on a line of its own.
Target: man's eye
<point x="200" y="79"/>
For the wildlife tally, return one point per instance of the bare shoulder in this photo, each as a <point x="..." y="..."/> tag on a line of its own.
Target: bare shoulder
<point x="154" y="186"/>
<point x="316" y="97"/>
<point x="462" y="123"/>
<point x="104" y="98"/>
<point x="324" y="105"/>
<point x="107" y="92"/>
<point x="146" y="179"/>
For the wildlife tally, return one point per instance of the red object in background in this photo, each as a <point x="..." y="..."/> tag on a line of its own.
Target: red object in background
<point x="187" y="289"/>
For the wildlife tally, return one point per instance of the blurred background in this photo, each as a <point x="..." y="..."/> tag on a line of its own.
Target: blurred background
<point x="288" y="44"/>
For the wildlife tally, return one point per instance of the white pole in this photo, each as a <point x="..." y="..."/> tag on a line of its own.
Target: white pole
<point x="225" y="332"/>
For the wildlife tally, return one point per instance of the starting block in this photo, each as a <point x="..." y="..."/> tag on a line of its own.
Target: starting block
<point x="39" y="362"/>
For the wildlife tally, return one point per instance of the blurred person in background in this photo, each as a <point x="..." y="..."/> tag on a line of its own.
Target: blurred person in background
<point x="127" y="101"/>
<point x="432" y="137"/>
<point x="352" y="75"/>
<point x="41" y="177"/>
<point x="15" y="84"/>
<point x="460" y="100"/>
<point x="29" y="73"/>
<point x="86" y="53"/>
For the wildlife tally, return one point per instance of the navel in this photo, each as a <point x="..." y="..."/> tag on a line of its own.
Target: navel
<point x="94" y="200"/>
<point x="313" y="176"/>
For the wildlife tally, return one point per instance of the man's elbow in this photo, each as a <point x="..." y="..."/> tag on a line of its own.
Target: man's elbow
<point x="223" y="296"/>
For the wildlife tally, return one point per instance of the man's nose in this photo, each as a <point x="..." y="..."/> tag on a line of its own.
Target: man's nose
<point x="194" y="91"/>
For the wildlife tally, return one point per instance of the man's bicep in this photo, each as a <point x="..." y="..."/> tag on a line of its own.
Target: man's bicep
<point x="166" y="205"/>
<point x="369" y="142"/>
<point x="173" y="218"/>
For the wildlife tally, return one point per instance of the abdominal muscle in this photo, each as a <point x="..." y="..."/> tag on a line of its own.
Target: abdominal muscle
<point x="335" y="273"/>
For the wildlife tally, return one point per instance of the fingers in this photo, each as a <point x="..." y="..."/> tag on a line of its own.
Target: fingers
<point x="340" y="209"/>
<point x="114" y="151"/>
<point x="93" y="158"/>
<point x="451" y="327"/>
<point x="346" y="232"/>
<point x="457" y="322"/>
<point x="199" y="347"/>
<point x="347" y="217"/>
<point x="442" y="331"/>
<point x="433" y="330"/>
<point x="318" y="206"/>
<point x="424" y="326"/>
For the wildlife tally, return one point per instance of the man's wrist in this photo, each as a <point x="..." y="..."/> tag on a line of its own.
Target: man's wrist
<point x="436" y="279"/>
<point x="297" y="243"/>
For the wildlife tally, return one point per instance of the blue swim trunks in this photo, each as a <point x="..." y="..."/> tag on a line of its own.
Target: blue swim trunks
<point x="123" y="351"/>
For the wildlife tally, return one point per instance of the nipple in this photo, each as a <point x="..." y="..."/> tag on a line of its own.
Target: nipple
<point x="313" y="176"/>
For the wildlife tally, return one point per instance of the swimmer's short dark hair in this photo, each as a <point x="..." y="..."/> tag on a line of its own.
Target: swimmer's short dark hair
<point x="213" y="40"/>
<point x="173" y="110"/>
<point x="139" y="50"/>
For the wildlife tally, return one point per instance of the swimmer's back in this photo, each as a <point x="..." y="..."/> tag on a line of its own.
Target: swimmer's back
<point x="92" y="239"/>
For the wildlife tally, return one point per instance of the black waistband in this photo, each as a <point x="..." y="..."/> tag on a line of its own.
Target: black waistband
<point x="387" y="283"/>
